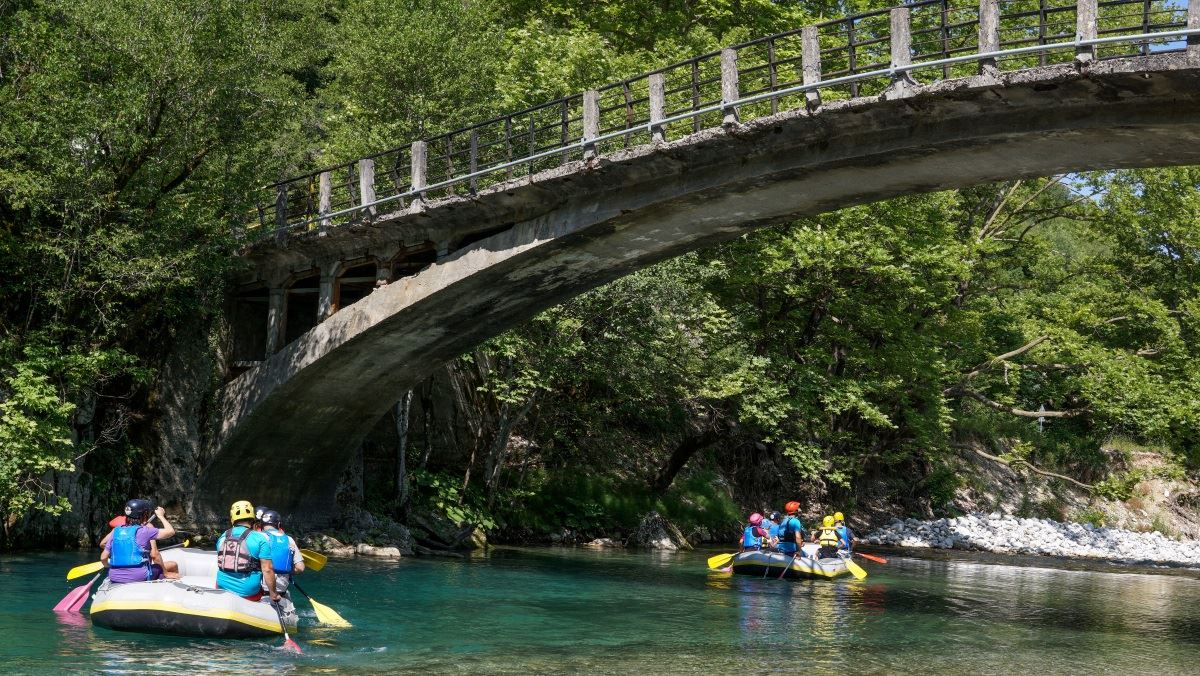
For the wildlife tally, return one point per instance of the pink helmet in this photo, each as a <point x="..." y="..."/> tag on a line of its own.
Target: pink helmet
<point x="755" y="519"/>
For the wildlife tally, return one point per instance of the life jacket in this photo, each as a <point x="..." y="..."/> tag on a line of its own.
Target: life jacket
<point x="281" y="552"/>
<point x="845" y="534"/>
<point x="828" y="537"/>
<point x="124" y="551"/>
<point x="750" y="539"/>
<point x="787" y="533"/>
<point x="234" y="556"/>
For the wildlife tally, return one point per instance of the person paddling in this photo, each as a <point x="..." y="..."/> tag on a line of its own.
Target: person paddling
<point x="753" y="534"/>
<point x="131" y="551"/>
<point x="773" y="529"/>
<point x="285" y="555"/>
<point x="791" y="530"/>
<point x="844" y="532"/>
<point x="244" y="557"/>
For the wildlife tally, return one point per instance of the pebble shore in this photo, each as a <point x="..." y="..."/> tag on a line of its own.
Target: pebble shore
<point x="1045" y="537"/>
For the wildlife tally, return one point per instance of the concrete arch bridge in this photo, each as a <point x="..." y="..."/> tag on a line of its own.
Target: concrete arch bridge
<point x="367" y="276"/>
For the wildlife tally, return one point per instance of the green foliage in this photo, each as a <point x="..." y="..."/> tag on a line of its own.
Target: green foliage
<point x="1093" y="516"/>
<point x="1119" y="485"/>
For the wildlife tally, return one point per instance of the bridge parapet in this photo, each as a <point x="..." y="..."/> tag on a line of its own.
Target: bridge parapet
<point x="876" y="53"/>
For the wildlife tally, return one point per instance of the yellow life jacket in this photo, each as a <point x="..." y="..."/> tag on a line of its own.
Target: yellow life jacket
<point x="828" y="537"/>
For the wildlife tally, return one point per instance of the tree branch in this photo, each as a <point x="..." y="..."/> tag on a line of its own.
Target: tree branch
<point x="1005" y="357"/>
<point x="1028" y="464"/>
<point x="962" y="391"/>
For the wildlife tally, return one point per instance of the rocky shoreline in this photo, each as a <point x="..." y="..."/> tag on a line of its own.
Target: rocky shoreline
<point x="1044" y="537"/>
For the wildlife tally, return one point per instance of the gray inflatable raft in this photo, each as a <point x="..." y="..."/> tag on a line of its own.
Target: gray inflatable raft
<point x="190" y="606"/>
<point x="773" y="564"/>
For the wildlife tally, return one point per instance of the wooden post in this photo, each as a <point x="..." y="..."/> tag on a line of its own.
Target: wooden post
<point x="419" y="153"/>
<point x="901" y="40"/>
<point x="324" y="198"/>
<point x="591" y="122"/>
<point x="810" y="56"/>
<point x="658" y="104"/>
<point x="989" y="35"/>
<point x="729" y="87"/>
<point x="281" y="214"/>
<point x="366" y="187"/>
<point x="1085" y="29"/>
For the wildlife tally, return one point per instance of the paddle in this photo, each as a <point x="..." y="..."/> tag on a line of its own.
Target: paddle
<point x="288" y="643"/>
<point x="789" y="565"/>
<point x="720" y="560"/>
<point x="89" y="568"/>
<point x="314" y="561"/>
<point x="876" y="559"/>
<point x="855" y="569"/>
<point x="325" y="614"/>
<point x="74" y="600"/>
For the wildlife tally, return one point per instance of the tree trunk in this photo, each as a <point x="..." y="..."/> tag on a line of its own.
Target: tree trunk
<point x="687" y="447"/>
<point x="402" y="409"/>
<point x="499" y="450"/>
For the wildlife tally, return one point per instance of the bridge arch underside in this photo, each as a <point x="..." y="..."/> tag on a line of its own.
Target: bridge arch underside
<point x="298" y="416"/>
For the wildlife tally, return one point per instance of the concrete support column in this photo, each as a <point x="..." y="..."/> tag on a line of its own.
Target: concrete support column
<point x="325" y="297"/>
<point x="1085" y="29"/>
<point x="276" y="315"/>
<point x="658" y="105"/>
<point x="281" y="215"/>
<point x="419" y="154"/>
<point x="1193" y="41"/>
<point x="810" y="57"/>
<point x="366" y="187"/>
<point x="901" y="40"/>
<point x="383" y="273"/>
<point x="591" y="122"/>
<point x="729" y="87"/>
<point x="324" y="199"/>
<point x="989" y="35"/>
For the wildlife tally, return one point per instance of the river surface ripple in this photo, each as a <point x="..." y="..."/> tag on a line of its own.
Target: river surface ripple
<point x="570" y="610"/>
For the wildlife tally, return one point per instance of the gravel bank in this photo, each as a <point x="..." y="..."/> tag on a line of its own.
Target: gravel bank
<point x="1046" y="537"/>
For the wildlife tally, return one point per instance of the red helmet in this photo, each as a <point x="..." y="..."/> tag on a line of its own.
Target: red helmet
<point x="755" y="519"/>
<point x="792" y="507"/>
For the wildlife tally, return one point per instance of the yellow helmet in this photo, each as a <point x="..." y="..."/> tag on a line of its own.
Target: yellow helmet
<point x="828" y="522"/>
<point x="838" y="516"/>
<point x="242" y="509"/>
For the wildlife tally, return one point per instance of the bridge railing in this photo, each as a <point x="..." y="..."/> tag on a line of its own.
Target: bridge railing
<point x="861" y="55"/>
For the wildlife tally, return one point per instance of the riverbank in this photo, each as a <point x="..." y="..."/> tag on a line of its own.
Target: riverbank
<point x="1001" y="534"/>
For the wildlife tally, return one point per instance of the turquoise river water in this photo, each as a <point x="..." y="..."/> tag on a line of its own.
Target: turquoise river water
<point x="564" y="610"/>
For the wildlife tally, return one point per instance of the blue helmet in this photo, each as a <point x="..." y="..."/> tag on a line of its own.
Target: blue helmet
<point x="136" y="510"/>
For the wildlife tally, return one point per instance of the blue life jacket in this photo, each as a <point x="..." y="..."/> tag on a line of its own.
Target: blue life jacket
<point x="787" y="534"/>
<point x="845" y="534"/>
<point x="281" y="552"/>
<point x="124" y="551"/>
<point x="749" y="539"/>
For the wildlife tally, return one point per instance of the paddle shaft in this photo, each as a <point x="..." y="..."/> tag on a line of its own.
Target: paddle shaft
<point x="287" y="640"/>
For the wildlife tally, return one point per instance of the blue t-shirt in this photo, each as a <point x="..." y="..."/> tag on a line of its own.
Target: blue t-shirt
<point x="845" y="534"/>
<point x="245" y="584"/>
<point x="787" y="540"/>
<point x="774" y="530"/>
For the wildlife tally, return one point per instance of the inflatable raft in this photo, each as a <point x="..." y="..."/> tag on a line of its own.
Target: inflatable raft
<point x="189" y="606"/>
<point x="773" y="564"/>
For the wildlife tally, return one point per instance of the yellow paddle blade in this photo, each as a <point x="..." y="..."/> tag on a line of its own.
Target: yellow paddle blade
<point x="85" y="569"/>
<point x="313" y="561"/>
<point x="327" y="615"/>
<point x="720" y="560"/>
<point x="855" y="569"/>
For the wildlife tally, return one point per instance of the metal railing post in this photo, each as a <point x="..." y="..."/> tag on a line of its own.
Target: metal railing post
<point x="591" y="122"/>
<point x="1085" y="29"/>
<point x="658" y="104"/>
<point x="810" y="57"/>
<point x="324" y="201"/>
<point x="366" y="187"/>
<point x="474" y="184"/>
<point x="419" y="151"/>
<point x="729" y="87"/>
<point x="989" y="35"/>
